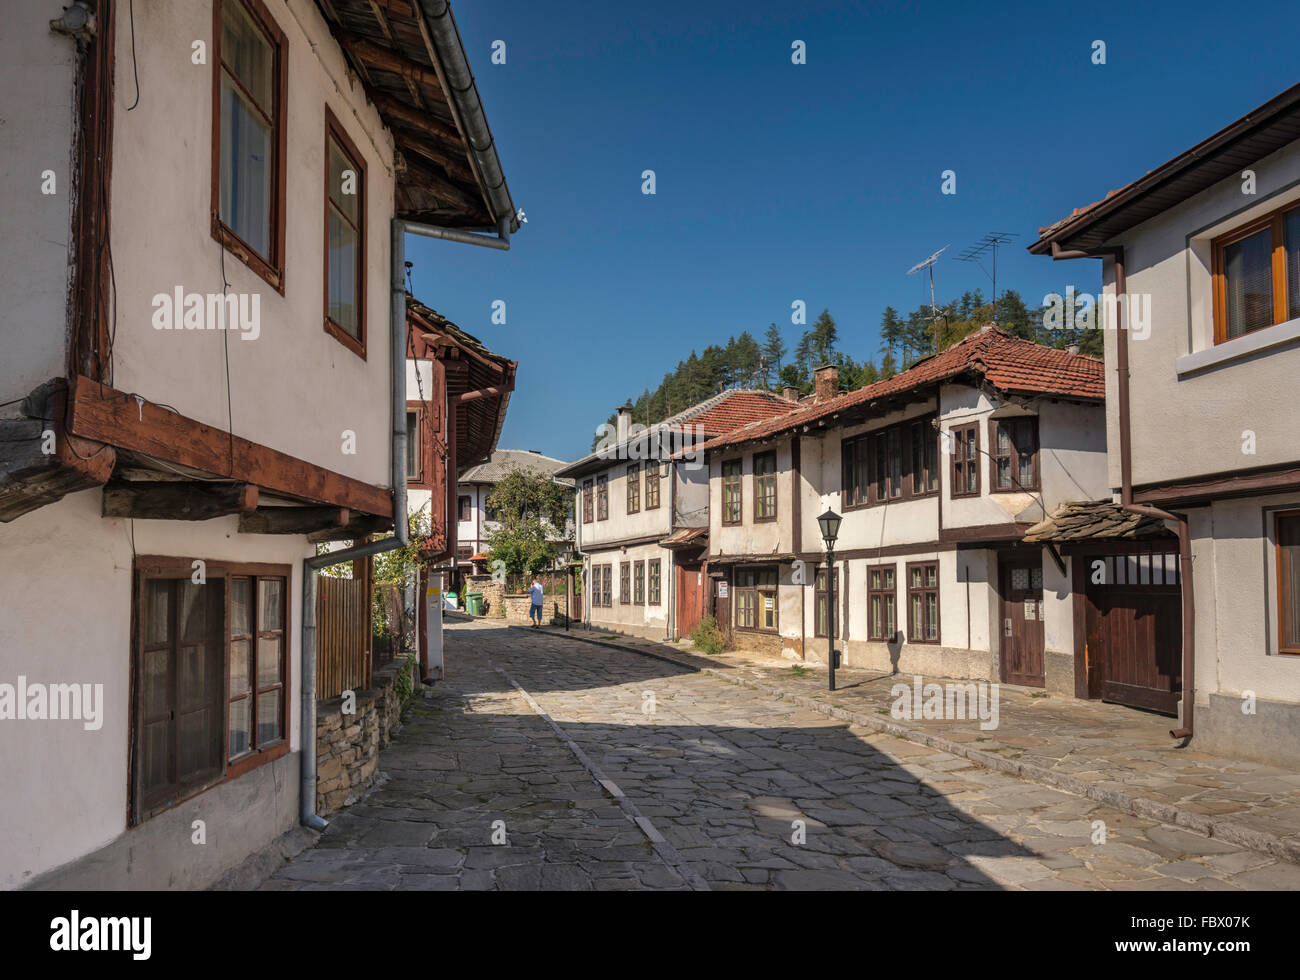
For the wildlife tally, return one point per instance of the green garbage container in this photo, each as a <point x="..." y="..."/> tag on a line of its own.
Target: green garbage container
<point x="474" y="603"/>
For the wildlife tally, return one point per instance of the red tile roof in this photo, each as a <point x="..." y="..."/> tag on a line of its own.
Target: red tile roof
<point x="741" y="408"/>
<point x="1009" y="363"/>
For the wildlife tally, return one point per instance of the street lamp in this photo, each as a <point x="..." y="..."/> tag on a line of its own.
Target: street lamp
<point x="829" y="523"/>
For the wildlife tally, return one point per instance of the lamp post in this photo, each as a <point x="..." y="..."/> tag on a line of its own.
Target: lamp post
<point x="829" y="523"/>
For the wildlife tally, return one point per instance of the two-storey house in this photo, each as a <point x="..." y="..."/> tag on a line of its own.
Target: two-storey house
<point x="1200" y="267"/>
<point x="205" y="207"/>
<point x="937" y="472"/>
<point x="475" y="517"/>
<point x="642" y="514"/>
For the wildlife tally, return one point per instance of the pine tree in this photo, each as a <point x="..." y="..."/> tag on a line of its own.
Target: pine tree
<point x="891" y="329"/>
<point x="774" y="349"/>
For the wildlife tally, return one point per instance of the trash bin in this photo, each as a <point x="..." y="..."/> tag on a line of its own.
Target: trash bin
<point x="474" y="603"/>
<point x="450" y="600"/>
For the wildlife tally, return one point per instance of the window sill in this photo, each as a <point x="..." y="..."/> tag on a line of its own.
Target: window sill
<point x="357" y="347"/>
<point x="246" y="763"/>
<point x="1239" y="347"/>
<point x="235" y="246"/>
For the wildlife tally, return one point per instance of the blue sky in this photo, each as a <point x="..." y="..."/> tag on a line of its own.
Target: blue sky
<point x="819" y="182"/>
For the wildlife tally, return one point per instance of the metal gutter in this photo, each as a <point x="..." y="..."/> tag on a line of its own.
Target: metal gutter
<point x="457" y="80"/>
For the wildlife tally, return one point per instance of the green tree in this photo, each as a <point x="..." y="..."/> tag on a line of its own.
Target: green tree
<point x="1013" y="316"/>
<point x="891" y="330"/>
<point x="530" y="509"/>
<point x="774" y="349"/>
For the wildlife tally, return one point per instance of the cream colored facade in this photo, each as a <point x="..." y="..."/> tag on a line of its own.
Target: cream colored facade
<point x="67" y="574"/>
<point x="934" y="528"/>
<point x="1203" y="412"/>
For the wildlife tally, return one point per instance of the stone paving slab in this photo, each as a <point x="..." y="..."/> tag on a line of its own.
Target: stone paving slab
<point x="1108" y="752"/>
<point x="744" y="790"/>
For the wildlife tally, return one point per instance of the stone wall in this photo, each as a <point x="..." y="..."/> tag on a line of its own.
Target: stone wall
<point x="347" y="746"/>
<point x="493" y="594"/>
<point x="518" y="604"/>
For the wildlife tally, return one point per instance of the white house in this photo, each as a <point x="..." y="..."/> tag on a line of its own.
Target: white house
<point x="475" y="519"/>
<point x="937" y="473"/>
<point x="203" y="383"/>
<point x="1204" y="431"/>
<point x="643" y="513"/>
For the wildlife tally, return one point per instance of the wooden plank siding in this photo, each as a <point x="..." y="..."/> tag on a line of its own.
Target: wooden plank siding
<point x="342" y="634"/>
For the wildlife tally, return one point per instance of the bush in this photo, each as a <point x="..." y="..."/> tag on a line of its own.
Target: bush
<point x="707" y="637"/>
<point x="404" y="682"/>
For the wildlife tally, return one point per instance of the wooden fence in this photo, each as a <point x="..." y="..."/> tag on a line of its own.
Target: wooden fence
<point x="394" y="624"/>
<point x="342" y="636"/>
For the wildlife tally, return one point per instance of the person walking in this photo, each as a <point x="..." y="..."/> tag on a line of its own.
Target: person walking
<point x="535" y="613"/>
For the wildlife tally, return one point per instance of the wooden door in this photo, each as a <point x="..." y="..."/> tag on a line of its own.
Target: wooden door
<point x="690" y="596"/>
<point x="1022" y="621"/>
<point x="1134" y="629"/>
<point x="722" y="606"/>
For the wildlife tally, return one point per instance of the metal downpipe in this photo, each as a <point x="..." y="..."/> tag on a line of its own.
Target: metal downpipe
<point x="401" y="532"/>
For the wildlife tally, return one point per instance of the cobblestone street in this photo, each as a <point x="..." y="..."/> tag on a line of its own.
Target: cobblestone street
<point x="543" y="762"/>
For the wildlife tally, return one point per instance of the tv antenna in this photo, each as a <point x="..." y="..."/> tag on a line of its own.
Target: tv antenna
<point x="988" y="245"/>
<point x="934" y="310"/>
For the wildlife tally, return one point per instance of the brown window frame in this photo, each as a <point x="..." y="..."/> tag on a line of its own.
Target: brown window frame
<point x="271" y="267"/>
<point x="601" y="586"/>
<point x="758" y="590"/>
<point x="654" y="582"/>
<point x="1017" y="486"/>
<point x="925" y="468"/>
<point x="588" y="504"/>
<point x="254" y="756"/>
<point x="923" y="590"/>
<point x="334" y="131"/>
<point x="1286" y="624"/>
<point x="1275" y="222"/>
<point x="764" y="487"/>
<point x="152" y="567"/>
<point x="638" y="583"/>
<point x="413" y="440"/>
<point x="634" y="488"/>
<point x="602" y="497"/>
<point x="733" y="468"/>
<point x="464" y="508"/>
<point x="883" y="592"/>
<point x="964" y="462"/>
<point x="625" y="583"/>
<point x="653" y="474"/>
<point x="819" y="601"/>
<point x="856" y="472"/>
<point x="861" y="456"/>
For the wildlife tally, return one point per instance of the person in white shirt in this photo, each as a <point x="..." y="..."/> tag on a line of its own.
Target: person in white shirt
<point x="535" y="613"/>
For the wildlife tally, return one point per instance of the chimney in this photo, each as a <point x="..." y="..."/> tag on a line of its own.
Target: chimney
<point x="1072" y="349"/>
<point x="624" y="420"/>
<point x="826" y="383"/>
<point x="790" y="393"/>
